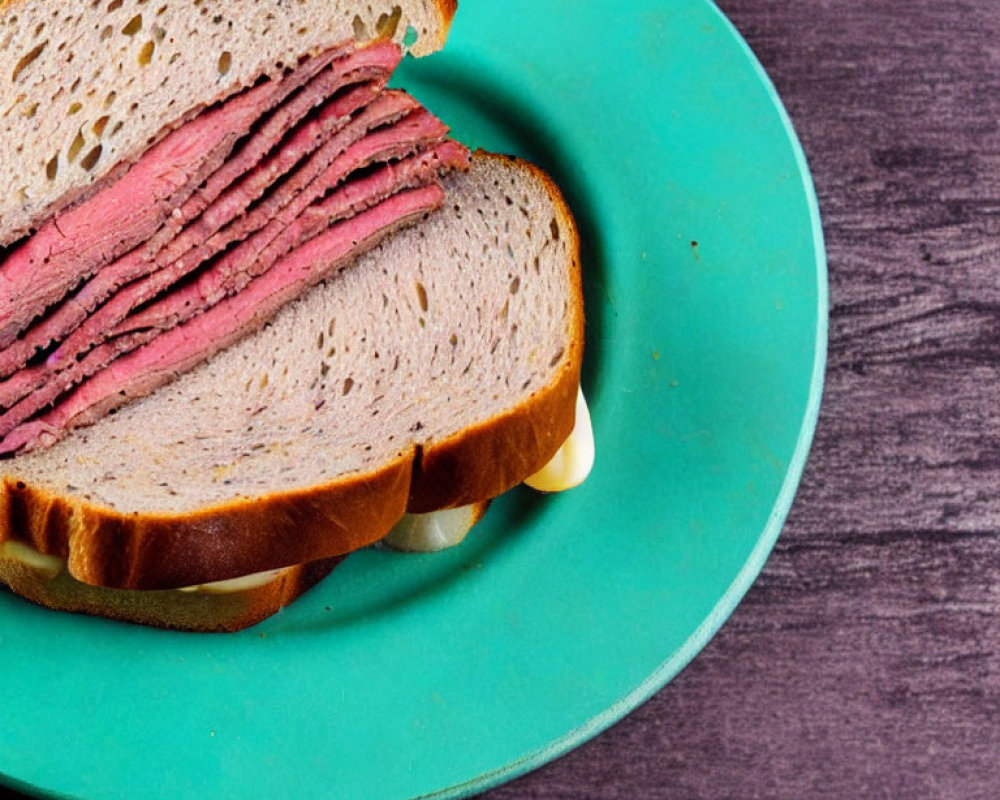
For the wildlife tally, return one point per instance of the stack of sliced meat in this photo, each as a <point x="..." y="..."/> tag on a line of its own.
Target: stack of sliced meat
<point x="207" y="234"/>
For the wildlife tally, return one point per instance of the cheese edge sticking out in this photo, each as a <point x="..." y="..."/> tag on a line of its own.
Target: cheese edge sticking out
<point x="572" y="463"/>
<point x="429" y="533"/>
<point x="46" y="566"/>
<point x="242" y="584"/>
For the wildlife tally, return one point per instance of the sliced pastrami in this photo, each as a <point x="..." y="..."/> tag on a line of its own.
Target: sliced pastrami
<point x="76" y="243"/>
<point x="353" y="197"/>
<point x="391" y="107"/>
<point x="70" y="314"/>
<point x="183" y="347"/>
<point x="372" y="66"/>
<point x="59" y="384"/>
<point x="234" y="202"/>
<point x="99" y="324"/>
<point x="237" y="269"/>
<point x="234" y="270"/>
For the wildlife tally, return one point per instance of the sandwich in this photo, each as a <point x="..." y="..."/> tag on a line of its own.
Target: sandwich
<point x="258" y="310"/>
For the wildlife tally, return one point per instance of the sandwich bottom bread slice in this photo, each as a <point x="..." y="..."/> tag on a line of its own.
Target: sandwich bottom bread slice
<point x="437" y="371"/>
<point x="215" y="607"/>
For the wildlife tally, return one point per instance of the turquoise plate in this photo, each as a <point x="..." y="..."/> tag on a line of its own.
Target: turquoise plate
<point x="406" y="676"/>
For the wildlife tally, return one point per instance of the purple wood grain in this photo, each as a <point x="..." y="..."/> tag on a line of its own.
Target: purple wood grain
<point x="864" y="663"/>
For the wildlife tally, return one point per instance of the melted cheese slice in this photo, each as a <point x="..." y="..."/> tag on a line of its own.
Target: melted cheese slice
<point x="573" y="462"/>
<point x="46" y="566"/>
<point x="428" y="533"/>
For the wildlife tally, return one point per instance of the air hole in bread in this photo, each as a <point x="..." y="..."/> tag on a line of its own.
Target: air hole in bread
<point x="100" y="125"/>
<point x="52" y="168"/>
<point x="146" y="54"/>
<point x="348" y="385"/>
<point x="27" y="60"/>
<point x="360" y="29"/>
<point x="387" y="24"/>
<point x="89" y="161"/>
<point x="75" y="147"/>
<point x="422" y="296"/>
<point x="225" y="62"/>
<point x="133" y="26"/>
<point x="554" y="227"/>
<point x="114" y="5"/>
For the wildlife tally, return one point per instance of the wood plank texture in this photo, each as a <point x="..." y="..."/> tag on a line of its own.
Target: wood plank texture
<point x="864" y="663"/>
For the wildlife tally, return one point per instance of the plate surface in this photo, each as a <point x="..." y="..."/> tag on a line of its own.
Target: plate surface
<point x="403" y="676"/>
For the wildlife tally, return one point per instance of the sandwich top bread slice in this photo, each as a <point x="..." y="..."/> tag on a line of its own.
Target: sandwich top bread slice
<point x="438" y="370"/>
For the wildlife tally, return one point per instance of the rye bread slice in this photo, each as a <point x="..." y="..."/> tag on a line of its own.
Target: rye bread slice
<point x="85" y="88"/>
<point x="441" y="369"/>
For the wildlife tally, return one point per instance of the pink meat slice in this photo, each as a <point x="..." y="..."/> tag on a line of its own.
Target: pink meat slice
<point x="61" y="383"/>
<point x="76" y="243"/>
<point x="352" y="198"/>
<point x="373" y="64"/>
<point x="99" y="324"/>
<point x="391" y="107"/>
<point x="256" y="254"/>
<point x="71" y="313"/>
<point x="183" y="347"/>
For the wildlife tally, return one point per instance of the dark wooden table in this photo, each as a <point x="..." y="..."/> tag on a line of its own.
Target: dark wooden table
<point x="864" y="663"/>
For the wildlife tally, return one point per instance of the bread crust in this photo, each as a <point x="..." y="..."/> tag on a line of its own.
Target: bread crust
<point x="105" y="547"/>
